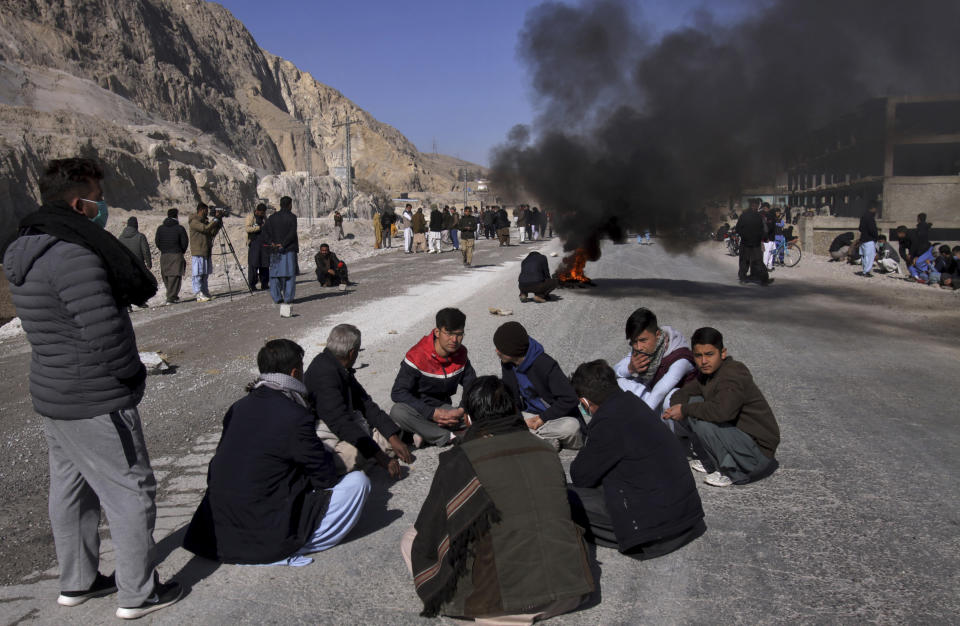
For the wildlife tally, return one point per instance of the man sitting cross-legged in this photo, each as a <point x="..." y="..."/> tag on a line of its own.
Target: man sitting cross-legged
<point x="724" y="417"/>
<point x="429" y="375"/>
<point x="494" y="539"/>
<point x="272" y="491"/>
<point x="659" y="361"/>
<point x="350" y="420"/>
<point x="539" y="387"/>
<point x="632" y="489"/>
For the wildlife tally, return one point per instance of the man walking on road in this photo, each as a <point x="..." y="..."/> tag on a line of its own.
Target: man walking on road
<point x="868" y="240"/>
<point x="71" y="282"/>
<point x="468" y="236"/>
<point x="171" y="241"/>
<point x="202" y="232"/>
<point x="751" y="229"/>
<point x="407" y="218"/>
<point x="280" y="234"/>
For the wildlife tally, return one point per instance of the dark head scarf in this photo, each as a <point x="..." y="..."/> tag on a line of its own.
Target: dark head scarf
<point x="130" y="281"/>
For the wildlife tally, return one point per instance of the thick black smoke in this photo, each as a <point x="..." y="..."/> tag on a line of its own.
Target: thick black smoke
<point x="633" y="132"/>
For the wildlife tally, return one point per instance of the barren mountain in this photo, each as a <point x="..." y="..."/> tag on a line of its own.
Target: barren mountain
<point x="181" y="105"/>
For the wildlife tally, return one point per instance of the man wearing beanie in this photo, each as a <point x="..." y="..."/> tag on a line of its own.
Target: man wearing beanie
<point x="172" y="242"/>
<point x="539" y="387"/>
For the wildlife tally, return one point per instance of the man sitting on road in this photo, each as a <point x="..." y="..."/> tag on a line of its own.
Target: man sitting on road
<point x="888" y="261"/>
<point x="632" y="489"/>
<point x="923" y="264"/>
<point x="331" y="271"/>
<point x="535" y="277"/>
<point x="951" y="279"/>
<point x="546" y="399"/>
<point x="272" y="491"/>
<point x="351" y="422"/>
<point x="840" y="246"/>
<point x="724" y="417"/>
<point x="429" y="375"/>
<point x="494" y="538"/>
<point x="659" y="362"/>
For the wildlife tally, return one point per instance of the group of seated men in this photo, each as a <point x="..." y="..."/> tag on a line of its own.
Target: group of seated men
<point x="497" y="536"/>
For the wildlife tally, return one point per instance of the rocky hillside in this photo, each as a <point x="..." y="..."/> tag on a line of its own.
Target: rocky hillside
<point x="180" y="103"/>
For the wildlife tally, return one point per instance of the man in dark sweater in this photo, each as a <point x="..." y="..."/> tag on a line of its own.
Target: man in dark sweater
<point x="428" y="378"/>
<point x="436" y="231"/>
<point x="840" y="246"/>
<point x="535" y="277"/>
<point x="272" y="492"/>
<point x="868" y="241"/>
<point x="723" y="417"/>
<point x="171" y="240"/>
<point x="468" y="235"/>
<point x="752" y="230"/>
<point x="344" y="406"/>
<point x="280" y="235"/>
<point x="632" y="489"/>
<point x="546" y="399"/>
<point x="331" y="271"/>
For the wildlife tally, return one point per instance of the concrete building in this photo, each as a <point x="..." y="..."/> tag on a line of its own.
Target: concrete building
<point x="903" y="153"/>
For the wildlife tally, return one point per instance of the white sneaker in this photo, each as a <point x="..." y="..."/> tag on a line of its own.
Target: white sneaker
<point x="285" y="310"/>
<point x="343" y="286"/>
<point x="697" y="466"/>
<point x="718" y="480"/>
<point x="203" y="298"/>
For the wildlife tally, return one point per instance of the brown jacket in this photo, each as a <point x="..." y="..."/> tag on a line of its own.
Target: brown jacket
<point x="730" y="395"/>
<point x="202" y="232"/>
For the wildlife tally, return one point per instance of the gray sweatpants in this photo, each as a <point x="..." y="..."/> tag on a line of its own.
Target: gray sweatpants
<point x="561" y="432"/>
<point x="410" y="420"/>
<point x="102" y="461"/>
<point x="731" y="450"/>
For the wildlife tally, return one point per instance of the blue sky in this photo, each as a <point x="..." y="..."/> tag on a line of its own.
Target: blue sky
<point x="444" y="71"/>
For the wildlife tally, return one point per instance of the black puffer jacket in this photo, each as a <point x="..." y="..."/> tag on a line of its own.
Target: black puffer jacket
<point x="171" y="237"/>
<point x="85" y="361"/>
<point x="647" y="485"/>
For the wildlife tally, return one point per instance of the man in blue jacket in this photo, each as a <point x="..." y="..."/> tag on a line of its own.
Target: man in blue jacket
<point x="71" y="282"/>
<point x="539" y="387"/>
<point x="632" y="489"/>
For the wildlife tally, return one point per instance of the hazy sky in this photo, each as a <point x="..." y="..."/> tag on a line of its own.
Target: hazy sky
<point x="439" y="71"/>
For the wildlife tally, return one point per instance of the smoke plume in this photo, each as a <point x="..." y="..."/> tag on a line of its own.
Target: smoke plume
<point x="634" y="131"/>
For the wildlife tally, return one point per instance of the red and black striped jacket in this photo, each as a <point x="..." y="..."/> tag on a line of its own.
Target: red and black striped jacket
<point x="426" y="380"/>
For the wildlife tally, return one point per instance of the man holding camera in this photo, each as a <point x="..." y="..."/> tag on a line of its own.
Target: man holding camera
<point x="202" y="232"/>
<point x="429" y="376"/>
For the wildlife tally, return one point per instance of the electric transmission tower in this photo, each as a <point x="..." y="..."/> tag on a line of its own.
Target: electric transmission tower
<point x="348" y="161"/>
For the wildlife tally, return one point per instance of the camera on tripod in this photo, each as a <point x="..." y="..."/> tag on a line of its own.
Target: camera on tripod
<point x="220" y="211"/>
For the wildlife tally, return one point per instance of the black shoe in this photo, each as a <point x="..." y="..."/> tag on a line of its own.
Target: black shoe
<point x="523" y="297"/>
<point x="102" y="586"/>
<point x="164" y="594"/>
<point x="868" y="275"/>
<point x="767" y="282"/>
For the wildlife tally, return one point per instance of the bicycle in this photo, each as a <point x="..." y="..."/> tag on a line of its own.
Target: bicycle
<point x="787" y="254"/>
<point x="733" y="244"/>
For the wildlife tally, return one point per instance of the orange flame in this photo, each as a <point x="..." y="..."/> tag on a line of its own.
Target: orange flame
<point x="571" y="269"/>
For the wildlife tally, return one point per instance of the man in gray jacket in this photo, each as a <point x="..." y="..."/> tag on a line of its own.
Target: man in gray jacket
<point x="71" y="282"/>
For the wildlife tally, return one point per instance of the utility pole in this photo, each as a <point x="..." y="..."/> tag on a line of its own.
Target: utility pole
<point x="348" y="162"/>
<point x="464" y="171"/>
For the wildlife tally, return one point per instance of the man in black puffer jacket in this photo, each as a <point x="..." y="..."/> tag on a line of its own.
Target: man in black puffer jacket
<point x="632" y="486"/>
<point x="71" y="282"/>
<point x="172" y="242"/>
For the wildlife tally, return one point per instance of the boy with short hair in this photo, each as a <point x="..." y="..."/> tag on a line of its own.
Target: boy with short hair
<point x="888" y="261"/>
<point x="725" y="417"/>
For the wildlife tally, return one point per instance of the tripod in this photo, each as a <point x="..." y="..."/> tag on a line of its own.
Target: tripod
<point x="225" y="243"/>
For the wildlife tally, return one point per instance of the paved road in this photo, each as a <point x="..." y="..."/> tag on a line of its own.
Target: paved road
<point x="860" y="524"/>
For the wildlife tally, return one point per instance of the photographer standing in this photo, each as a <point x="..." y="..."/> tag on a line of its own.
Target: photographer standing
<point x="258" y="258"/>
<point x="202" y="232"/>
<point x="280" y="235"/>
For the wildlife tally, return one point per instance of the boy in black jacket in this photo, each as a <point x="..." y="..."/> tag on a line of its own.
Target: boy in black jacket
<point x="545" y="397"/>
<point x="632" y="487"/>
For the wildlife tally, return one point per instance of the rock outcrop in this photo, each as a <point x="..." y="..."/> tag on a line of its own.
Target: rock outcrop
<point x="181" y="105"/>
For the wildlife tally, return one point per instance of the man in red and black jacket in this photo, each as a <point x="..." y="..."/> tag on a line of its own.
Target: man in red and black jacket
<point x="428" y="379"/>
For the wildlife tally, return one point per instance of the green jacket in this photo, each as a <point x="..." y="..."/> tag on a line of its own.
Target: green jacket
<point x="202" y="232"/>
<point x="535" y="555"/>
<point x="730" y="395"/>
